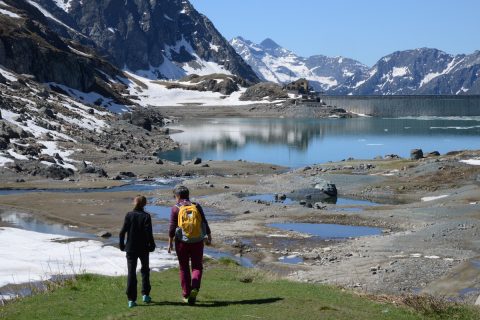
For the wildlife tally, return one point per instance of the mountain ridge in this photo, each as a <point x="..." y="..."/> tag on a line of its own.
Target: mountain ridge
<point x="414" y="71"/>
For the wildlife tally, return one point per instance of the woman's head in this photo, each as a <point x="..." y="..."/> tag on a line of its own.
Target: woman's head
<point x="139" y="202"/>
<point x="181" y="192"/>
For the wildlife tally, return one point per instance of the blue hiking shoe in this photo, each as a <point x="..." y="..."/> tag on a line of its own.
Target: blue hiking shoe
<point x="192" y="298"/>
<point x="147" y="299"/>
<point x="132" y="304"/>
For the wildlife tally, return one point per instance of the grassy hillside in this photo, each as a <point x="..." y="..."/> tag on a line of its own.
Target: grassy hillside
<point x="228" y="292"/>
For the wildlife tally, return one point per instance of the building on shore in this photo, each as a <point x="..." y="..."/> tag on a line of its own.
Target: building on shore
<point x="302" y="90"/>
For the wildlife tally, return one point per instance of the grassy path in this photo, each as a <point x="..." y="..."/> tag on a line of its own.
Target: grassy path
<point x="228" y="292"/>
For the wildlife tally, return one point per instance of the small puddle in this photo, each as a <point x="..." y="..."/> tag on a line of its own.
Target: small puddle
<point x="269" y="197"/>
<point x="469" y="291"/>
<point x="137" y="185"/>
<point x="293" y="259"/>
<point x="28" y="222"/>
<point x="328" y="231"/>
<point x="475" y="263"/>
<point x="215" y="254"/>
<point x="13" y="291"/>
<point x="352" y="205"/>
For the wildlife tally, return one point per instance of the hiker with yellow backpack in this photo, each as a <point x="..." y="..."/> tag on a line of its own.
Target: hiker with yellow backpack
<point x="189" y="230"/>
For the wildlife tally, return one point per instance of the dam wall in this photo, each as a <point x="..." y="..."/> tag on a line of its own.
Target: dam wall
<point x="408" y="106"/>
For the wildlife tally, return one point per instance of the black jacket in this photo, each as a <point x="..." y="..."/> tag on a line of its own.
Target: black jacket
<point x="138" y="227"/>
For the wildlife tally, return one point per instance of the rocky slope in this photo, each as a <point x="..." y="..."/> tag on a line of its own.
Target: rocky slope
<point x="164" y="38"/>
<point x="56" y="98"/>
<point x="29" y="46"/>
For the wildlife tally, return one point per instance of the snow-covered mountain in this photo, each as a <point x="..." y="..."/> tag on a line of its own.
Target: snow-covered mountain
<point x="419" y="71"/>
<point x="157" y="38"/>
<point x="274" y="63"/>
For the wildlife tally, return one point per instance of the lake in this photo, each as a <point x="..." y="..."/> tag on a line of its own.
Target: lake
<point x="300" y="142"/>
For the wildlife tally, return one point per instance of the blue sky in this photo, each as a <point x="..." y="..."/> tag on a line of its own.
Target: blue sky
<point x="365" y="30"/>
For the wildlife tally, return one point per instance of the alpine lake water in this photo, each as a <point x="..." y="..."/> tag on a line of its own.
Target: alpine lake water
<point x="299" y="142"/>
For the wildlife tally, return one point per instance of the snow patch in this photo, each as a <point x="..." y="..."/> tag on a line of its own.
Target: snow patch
<point x="167" y="17"/>
<point x="400" y="72"/>
<point x="9" y="13"/>
<point x="92" y="98"/>
<point x="4" y="160"/>
<point x="432" y="198"/>
<point x="81" y="53"/>
<point x="7" y="74"/>
<point x="64" y="4"/>
<point x="214" y="47"/>
<point x="156" y="94"/>
<point x="27" y="256"/>
<point x="473" y="162"/>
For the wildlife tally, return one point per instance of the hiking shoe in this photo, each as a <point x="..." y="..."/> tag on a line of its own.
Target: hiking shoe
<point x="147" y="299"/>
<point x="185" y="299"/>
<point x="132" y="304"/>
<point x="192" y="298"/>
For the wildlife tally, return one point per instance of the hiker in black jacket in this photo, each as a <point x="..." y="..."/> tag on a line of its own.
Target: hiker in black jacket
<point x="140" y="242"/>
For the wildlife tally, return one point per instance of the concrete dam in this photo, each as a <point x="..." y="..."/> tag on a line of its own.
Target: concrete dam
<point x="408" y="105"/>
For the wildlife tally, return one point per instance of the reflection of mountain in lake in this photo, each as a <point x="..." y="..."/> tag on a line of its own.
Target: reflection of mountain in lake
<point x="268" y="140"/>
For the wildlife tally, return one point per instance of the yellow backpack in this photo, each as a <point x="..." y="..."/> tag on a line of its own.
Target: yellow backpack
<point x="191" y="224"/>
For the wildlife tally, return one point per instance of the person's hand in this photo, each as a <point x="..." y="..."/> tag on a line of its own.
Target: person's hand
<point x="208" y="240"/>
<point x="122" y="247"/>
<point x="152" y="248"/>
<point x="170" y="247"/>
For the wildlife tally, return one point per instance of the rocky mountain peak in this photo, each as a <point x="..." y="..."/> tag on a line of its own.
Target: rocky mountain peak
<point x="269" y="44"/>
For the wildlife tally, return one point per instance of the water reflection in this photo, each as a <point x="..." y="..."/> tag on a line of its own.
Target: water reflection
<point x="328" y="231"/>
<point x="298" y="142"/>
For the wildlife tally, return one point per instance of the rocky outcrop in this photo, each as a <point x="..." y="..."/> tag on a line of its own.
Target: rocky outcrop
<point x="264" y="90"/>
<point x="416" y="154"/>
<point x="162" y="35"/>
<point x="29" y="46"/>
<point x="225" y="84"/>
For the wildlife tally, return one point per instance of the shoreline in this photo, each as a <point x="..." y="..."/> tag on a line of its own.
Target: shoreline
<point x="410" y="255"/>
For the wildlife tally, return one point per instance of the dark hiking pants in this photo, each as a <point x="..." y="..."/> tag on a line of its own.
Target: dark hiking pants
<point x="132" y="258"/>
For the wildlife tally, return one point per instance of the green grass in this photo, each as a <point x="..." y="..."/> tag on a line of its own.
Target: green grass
<point x="228" y="292"/>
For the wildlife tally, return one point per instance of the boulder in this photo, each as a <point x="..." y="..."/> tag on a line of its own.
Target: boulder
<point x="280" y="197"/>
<point x="416" y="154"/>
<point x="197" y="160"/>
<point x="47" y="158"/>
<point x="48" y="112"/>
<point x="55" y="172"/>
<point x="89" y="169"/>
<point x="140" y="120"/>
<point x="127" y="174"/>
<point x="432" y="154"/>
<point x="326" y="187"/>
<point x="104" y="234"/>
<point x="391" y="156"/>
<point x="159" y="161"/>
<point x="3" y="144"/>
<point x="9" y="131"/>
